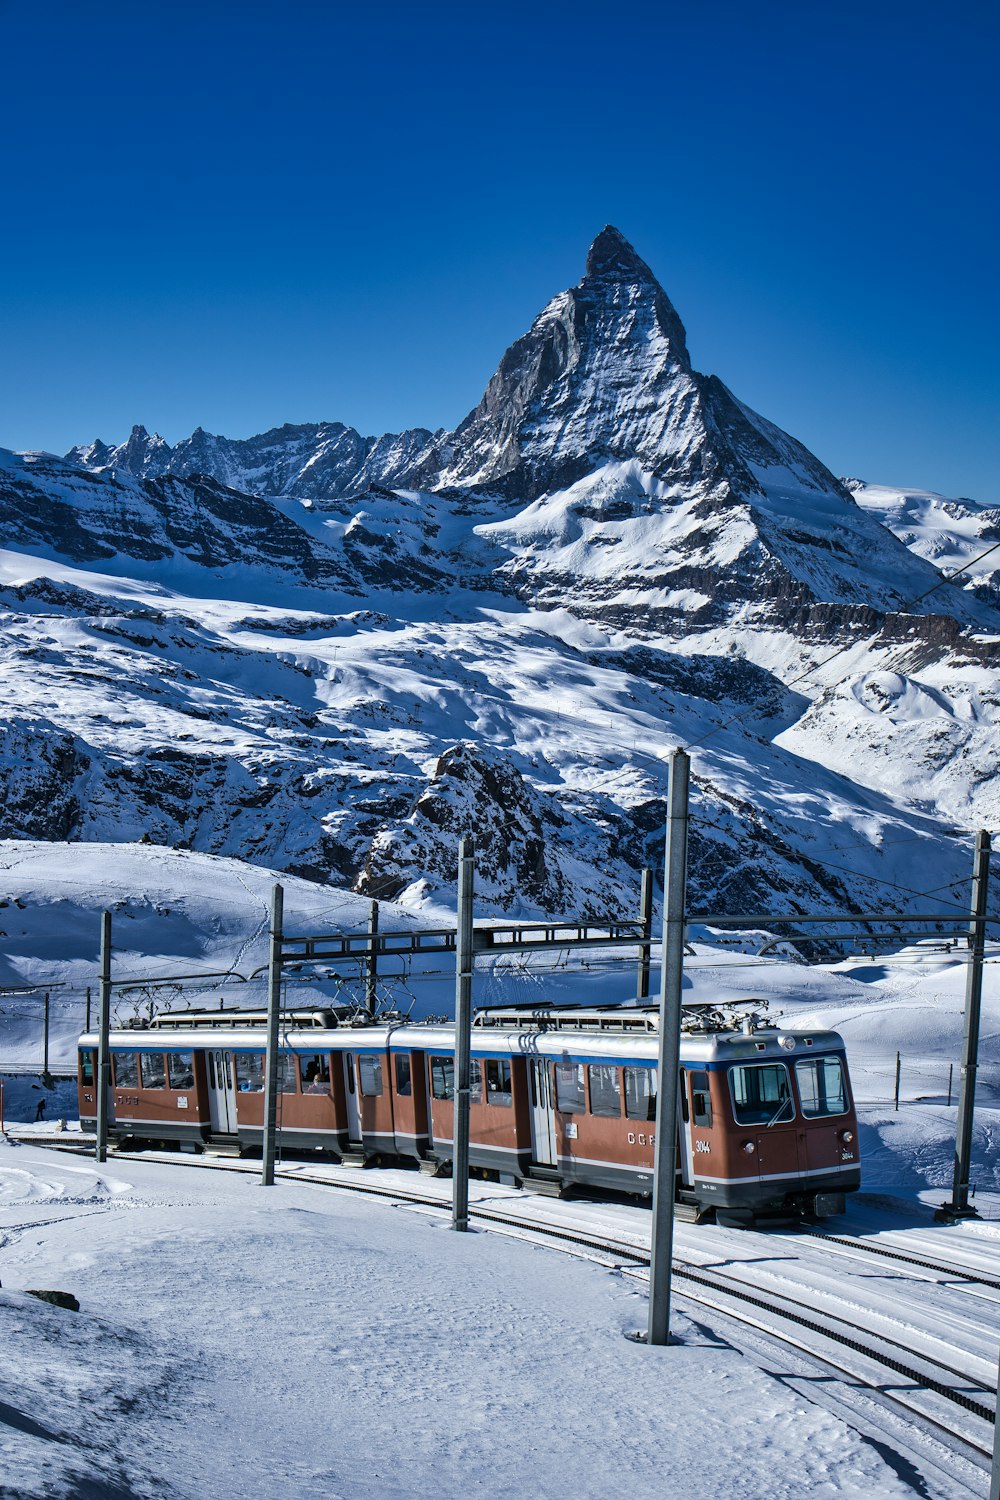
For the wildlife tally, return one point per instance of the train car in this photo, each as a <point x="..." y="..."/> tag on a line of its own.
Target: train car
<point x="559" y="1098"/>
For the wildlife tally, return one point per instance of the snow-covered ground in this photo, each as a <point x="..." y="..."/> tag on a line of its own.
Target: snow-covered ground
<point x="239" y="1341"/>
<point x="236" y="1340"/>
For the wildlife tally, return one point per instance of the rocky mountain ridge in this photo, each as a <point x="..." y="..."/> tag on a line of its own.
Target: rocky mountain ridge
<point x="334" y="654"/>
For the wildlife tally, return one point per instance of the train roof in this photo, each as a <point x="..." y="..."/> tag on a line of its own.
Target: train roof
<point x="710" y="1033"/>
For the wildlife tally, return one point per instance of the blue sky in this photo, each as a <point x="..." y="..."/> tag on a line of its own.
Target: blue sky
<point x="238" y="215"/>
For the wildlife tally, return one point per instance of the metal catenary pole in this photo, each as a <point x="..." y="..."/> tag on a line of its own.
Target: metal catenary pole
<point x="899" y="1066"/>
<point x="45" y="1041"/>
<point x="371" y="970"/>
<point x="103" y="1079"/>
<point x="959" y="1205"/>
<point x="665" y="1158"/>
<point x="646" y="918"/>
<point x="464" y="959"/>
<point x="273" y="1018"/>
<point x="87" y="1026"/>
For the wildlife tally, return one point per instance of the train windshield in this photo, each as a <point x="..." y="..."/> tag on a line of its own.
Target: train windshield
<point x="762" y="1094"/>
<point x="822" y="1086"/>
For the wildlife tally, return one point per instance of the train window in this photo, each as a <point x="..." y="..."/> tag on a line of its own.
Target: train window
<point x="87" y="1067"/>
<point x="249" y="1072"/>
<point x="822" y="1087"/>
<point x="685" y="1110"/>
<point x="701" y="1099"/>
<point x="315" y="1071"/>
<point x="762" y="1094"/>
<point x="286" y="1074"/>
<point x="498" y="1090"/>
<point x="640" y="1093"/>
<point x="370" y="1074"/>
<point x="605" y="1090"/>
<point x="180" y="1069"/>
<point x="126" y="1070"/>
<point x="476" y="1081"/>
<point x="570" y="1097"/>
<point x="443" y="1077"/>
<point x="404" y="1079"/>
<point x="154" y="1074"/>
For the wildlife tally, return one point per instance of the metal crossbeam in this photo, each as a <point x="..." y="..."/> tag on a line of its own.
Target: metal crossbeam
<point x="855" y="919"/>
<point x="521" y="937"/>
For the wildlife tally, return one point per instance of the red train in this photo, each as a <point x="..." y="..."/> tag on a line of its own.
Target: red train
<point x="559" y="1097"/>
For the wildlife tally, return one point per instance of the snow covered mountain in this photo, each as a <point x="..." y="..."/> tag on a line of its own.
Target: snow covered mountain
<point x="334" y="654"/>
<point x="952" y="534"/>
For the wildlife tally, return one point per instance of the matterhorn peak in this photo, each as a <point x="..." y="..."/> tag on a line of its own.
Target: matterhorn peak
<point x="603" y="373"/>
<point x="611" y="254"/>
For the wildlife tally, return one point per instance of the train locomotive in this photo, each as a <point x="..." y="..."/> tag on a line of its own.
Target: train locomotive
<point x="561" y="1097"/>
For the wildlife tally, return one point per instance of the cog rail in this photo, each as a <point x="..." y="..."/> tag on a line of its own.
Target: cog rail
<point x="926" y="1374"/>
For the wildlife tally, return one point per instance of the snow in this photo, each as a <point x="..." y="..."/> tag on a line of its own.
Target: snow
<point x="381" y="1353"/>
<point x="251" y="1342"/>
<point x="330" y="676"/>
<point x="950" y="533"/>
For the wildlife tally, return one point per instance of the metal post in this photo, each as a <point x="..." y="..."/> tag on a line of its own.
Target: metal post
<point x="646" y="918"/>
<point x="671" y="982"/>
<point x="104" y="1040"/>
<point x="371" y="972"/>
<point x="45" y="1041"/>
<point x="951" y="1074"/>
<point x="273" y="1017"/>
<point x="897" y="1079"/>
<point x="87" y="1027"/>
<point x="464" y="960"/>
<point x="959" y="1205"/>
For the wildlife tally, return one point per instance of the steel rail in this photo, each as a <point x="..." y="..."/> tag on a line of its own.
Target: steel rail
<point x="639" y="1259"/>
<point x="890" y="1399"/>
<point x="965" y="1273"/>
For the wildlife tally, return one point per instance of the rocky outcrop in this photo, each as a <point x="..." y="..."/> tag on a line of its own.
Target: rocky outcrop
<point x="610" y="556"/>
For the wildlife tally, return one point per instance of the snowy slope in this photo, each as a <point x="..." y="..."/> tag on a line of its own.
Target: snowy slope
<point x="357" y="747"/>
<point x="504" y="630"/>
<point x="950" y="533"/>
<point x="234" y="1340"/>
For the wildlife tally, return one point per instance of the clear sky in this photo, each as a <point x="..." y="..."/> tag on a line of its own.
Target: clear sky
<point x="235" y="215"/>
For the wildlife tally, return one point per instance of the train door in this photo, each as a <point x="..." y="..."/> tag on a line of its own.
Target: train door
<point x="354" y="1133"/>
<point x="221" y="1093"/>
<point x="543" y="1117"/>
<point x="686" y="1157"/>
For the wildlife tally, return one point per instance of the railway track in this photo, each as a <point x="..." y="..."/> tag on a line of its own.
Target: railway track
<point x="909" y="1387"/>
<point x="864" y="1247"/>
<point x="946" y="1402"/>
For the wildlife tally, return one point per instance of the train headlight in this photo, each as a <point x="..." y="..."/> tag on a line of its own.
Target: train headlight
<point x="847" y="1136"/>
<point x="788" y="1042"/>
<point x="749" y="1147"/>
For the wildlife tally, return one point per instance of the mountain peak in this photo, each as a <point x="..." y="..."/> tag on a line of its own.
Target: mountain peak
<point x="611" y="252"/>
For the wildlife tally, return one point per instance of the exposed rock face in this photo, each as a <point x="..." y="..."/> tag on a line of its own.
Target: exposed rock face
<point x="605" y="473"/>
<point x="503" y="631"/>
<point x="473" y="791"/>
<point x="52" y="505"/>
<point x="313" y="460"/>
<point x="43" y="770"/>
